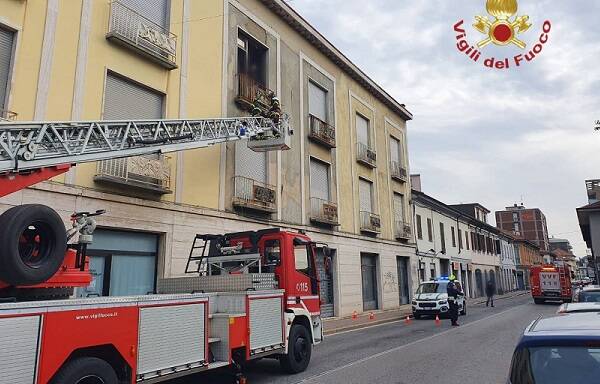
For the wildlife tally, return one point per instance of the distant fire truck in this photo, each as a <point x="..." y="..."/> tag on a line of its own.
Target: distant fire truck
<point x="551" y="282"/>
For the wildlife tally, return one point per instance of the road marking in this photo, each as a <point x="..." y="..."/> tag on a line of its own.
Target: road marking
<point x="364" y="328"/>
<point x="383" y="353"/>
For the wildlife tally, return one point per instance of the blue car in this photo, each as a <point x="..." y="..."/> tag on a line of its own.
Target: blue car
<point x="558" y="350"/>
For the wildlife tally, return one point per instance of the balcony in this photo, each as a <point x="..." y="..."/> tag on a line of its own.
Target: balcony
<point x="133" y="31"/>
<point x="398" y="172"/>
<point x="252" y="93"/>
<point x="252" y="194"/>
<point x="323" y="211"/>
<point x="321" y="132"/>
<point x="370" y="222"/>
<point x="403" y="231"/>
<point x="366" y="155"/>
<point x="6" y="115"/>
<point x="144" y="173"/>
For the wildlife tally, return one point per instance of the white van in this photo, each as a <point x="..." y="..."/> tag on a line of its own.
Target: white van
<point x="432" y="299"/>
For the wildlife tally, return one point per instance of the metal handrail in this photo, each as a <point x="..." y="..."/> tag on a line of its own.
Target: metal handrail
<point x="403" y="229"/>
<point x="141" y="32"/>
<point x="254" y="194"/>
<point x="323" y="211"/>
<point x="370" y="222"/>
<point x="321" y="131"/>
<point x="365" y="154"/>
<point x="397" y="171"/>
<point x="143" y="171"/>
<point x="6" y="115"/>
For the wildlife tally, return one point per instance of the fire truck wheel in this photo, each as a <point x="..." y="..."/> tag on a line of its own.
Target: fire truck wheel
<point x="33" y="242"/>
<point x="299" y="350"/>
<point x="86" y="370"/>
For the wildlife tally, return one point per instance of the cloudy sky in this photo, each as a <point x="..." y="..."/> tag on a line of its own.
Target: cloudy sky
<point x="491" y="136"/>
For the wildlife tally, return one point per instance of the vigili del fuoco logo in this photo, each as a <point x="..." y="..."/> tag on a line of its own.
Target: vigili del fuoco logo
<point x="504" y="27"/>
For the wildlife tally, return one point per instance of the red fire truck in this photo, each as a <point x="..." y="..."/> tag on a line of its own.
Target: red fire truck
<point x="247" y="295"/>
<point x="551" y="282"/>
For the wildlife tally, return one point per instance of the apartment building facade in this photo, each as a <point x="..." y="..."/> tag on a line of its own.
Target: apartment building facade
<point x="452" y="241"/>
<point x="344" y="181"/>
<point x="529" y="223"/>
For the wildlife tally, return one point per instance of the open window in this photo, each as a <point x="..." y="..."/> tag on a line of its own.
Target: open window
<point x="252" y="59"/>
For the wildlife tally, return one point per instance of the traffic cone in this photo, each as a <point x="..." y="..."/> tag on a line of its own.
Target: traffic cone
<point x="437" y="321"/>
<point x="371" y="316"/>
<point x="407" y="321"/>
<point x="354" y="315"/>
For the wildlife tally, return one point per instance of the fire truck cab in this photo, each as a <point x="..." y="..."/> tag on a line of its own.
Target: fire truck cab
<point x="246" y="295"/>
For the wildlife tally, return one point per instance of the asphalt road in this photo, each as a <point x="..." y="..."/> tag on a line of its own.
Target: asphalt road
<point x="477" y="352"/>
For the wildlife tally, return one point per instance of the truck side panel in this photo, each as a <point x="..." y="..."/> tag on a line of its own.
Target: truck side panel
<point x="66" y="331"/>
<point x="19" y="337"/>
<point x="266" y="323"/>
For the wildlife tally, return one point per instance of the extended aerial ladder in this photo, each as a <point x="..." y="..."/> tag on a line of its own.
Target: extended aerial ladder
<point x="34" y="253"/>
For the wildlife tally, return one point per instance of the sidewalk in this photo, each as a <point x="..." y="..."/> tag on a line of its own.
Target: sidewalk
<point x="339" y="324"/>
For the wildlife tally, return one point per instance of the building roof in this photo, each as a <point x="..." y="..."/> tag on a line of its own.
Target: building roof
<point x="583" y="215"/>
<point x="298" y="23"/>
<point x="469" y="206"/>
<point x="557" y="240"/>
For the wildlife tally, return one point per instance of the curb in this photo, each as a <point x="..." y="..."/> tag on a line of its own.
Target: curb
<point x="329" y="332"/>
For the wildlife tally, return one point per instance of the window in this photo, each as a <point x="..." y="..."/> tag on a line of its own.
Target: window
<point x="442" y="238"/>
<point x="473" y="245"/>
<point x="460" y="243"/>
<point x="395" y="152"/>
<point x="429" y="232"/>
<point x="453" y="237"/>
<point x="419" y="228"/>
<point x="319" y="180"/>
<point x="252" y="59"/>
<point x="467" y="240"/>
<point x="366" y="195"/>
<point x="432" y="270"/>
<point x="498" y="249"/>
<point x="317" y="101"/>
<point x="362" y="131"/>
<point x="6" y="50"/>
<point x="398" y="208"/>
<point x="125" y="99"/>
<point x="301" y="256"/>
<point x="156" y="11"/>
<point x="272" y="253"/>
<point x="515" y="216"/>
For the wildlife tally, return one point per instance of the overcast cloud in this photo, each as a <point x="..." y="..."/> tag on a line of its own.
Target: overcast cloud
<point x="482" y="135"/>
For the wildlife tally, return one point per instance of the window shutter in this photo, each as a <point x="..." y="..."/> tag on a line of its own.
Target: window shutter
<point x="156" y="11"/>
<point x="366" y="196"/>
<point x="6" y="49"/>
<point x="250" y="164"/>
<point x="317" y="101"/>
<point x="395" y="150"/>
<point x="362" y="130"/>
<point x="398" y="208"/>
<point x="319" y="180"/>
<point x="126" y="100"/>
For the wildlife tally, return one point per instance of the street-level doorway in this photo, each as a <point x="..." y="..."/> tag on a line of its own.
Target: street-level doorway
<point x="402" y="265"/>
<point x="479" y="282"/>
<point x="368" y="264"/>
<point x="121" y="263"/>
<point x="444" y="267"/>
<point x="325" y="272"/>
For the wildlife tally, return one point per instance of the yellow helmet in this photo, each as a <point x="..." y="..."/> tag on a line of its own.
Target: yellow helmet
<point x="452" y="278"/>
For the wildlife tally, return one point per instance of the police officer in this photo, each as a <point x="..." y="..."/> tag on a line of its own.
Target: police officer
<point x="453" y="294"/>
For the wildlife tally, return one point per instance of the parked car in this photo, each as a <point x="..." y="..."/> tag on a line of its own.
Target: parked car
<point x="431" y="298"/>
<point x="588" y="294"/>
<point x="579" y="307"/>
<point x="557" y="350"/>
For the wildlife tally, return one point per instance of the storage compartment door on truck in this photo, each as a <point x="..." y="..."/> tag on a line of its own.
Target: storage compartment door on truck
<point x="549" y="281"/>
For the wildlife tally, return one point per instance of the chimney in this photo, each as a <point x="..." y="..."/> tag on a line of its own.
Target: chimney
<point x="415" y="181"/>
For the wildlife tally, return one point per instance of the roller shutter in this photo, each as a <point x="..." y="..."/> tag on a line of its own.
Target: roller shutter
<point x="317" y="101"/>
<point x="362" y="130"/>
<point x="250" y="164"/>
<point x="153" y="10"/>
<point x="319" y="180"/>
<point x="366" y="195"/>
<point x="6" y="49"/>
<point x="126" y="100"/>
<point x="398" y="208"/>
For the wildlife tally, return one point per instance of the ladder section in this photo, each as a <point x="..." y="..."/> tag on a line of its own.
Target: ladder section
<point x="34" y="145"/>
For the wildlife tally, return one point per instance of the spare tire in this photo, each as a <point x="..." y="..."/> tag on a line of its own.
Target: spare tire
<point x="33" y="242"/>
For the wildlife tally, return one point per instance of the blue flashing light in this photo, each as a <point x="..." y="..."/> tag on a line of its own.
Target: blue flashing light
<point x="443" y="278"/>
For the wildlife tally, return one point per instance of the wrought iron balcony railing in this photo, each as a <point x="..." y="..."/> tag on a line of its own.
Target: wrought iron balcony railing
<point x="249" y="193"/>
<point x="321" y="132"/>
<point x="370" y="222"/>
<point x="147" y="173"/>
<point x="6" y="115"/>
<point x="403" y="230"/>
<point x="397" y="171"/>
<point x="366" y="155"/>
<point x="132" y="30"/>
<point x="323" y="211"/>
<point x="251" y="92"/>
